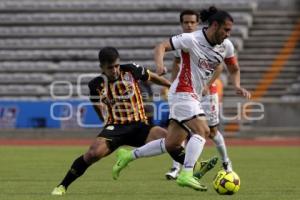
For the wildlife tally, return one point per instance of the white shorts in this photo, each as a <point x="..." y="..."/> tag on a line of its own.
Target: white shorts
<point x="210" y="105"/>
<point x="184" y="106"/>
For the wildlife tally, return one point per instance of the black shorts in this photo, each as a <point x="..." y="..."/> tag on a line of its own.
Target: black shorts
<point x="133" y="134"/>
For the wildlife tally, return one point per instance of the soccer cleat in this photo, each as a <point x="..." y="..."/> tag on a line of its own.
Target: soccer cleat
<point x="59" y="190"/>
<point x="227" y="166"/>
<point x="203" y="167"/>
<point x="123" y="158"/>
<point x="172" y="174"/>
<point x="186" y="179"/>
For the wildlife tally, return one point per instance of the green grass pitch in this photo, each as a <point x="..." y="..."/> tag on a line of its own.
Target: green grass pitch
<point x="30" y="173"/>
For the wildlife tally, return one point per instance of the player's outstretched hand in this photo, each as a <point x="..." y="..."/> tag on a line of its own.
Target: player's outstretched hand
<point x="243" y="92"/>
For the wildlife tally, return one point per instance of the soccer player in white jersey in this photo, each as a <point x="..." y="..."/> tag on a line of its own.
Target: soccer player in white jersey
<point x="189" y="21"/>
<point x="210" y="102"/>
<point x="202" y="53"/>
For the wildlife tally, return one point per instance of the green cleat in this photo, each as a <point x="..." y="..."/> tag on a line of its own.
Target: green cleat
<point x="59" y="190"/>
<point x="201" y="168"/>
<point x="123" y="158"/>
<point x="186" y="179"/>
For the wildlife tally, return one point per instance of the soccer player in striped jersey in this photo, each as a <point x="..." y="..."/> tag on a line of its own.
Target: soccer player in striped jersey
<point x="116" y="93"/>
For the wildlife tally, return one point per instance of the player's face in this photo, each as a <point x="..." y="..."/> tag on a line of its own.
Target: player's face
<point x="189" y="23"/>
<point x="112" y="70"/>
<point x="222" y="31"/>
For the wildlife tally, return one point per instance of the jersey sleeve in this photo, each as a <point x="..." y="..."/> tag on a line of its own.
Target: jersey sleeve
<point x="94" y="88"/>
<point x="139" y="72"/>
<point x="176" y="54"/>
<point x="230" y="57"/>
<point x="182" y="41"/>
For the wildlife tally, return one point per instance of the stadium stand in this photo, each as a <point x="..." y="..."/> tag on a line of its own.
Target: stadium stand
<point x="52" y="37"/>
<point x="46" y="41"/>
<point x="292" y="93"/>
<point x="269" y="65"/>
<point x="23" y="90"/>
<point x="114" y="5"/>
<point x="267" y="38"/>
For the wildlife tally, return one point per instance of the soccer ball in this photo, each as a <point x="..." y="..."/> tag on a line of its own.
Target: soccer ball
<point x="226" y="182"/>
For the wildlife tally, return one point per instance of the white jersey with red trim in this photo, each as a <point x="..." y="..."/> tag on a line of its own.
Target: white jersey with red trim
<point x="198" y="60"/>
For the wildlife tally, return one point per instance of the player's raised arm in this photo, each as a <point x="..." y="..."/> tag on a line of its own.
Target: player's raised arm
<point x="143" y="74"/>
<point x="159" y="53"/>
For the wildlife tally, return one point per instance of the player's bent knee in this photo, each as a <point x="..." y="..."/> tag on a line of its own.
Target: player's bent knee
<point x="213" y="132"/>
<point x="93" y="155"/>
<point x="96" y="151"/>
<point x="156" y="133"/>
<point x="207" y="132"/>
<point x="172" y="145"/>
<point x="203" y="132"/>
<point x="159" y="132"/>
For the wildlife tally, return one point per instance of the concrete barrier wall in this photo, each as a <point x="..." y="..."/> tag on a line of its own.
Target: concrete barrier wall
<point x="280" y="114"/>
<point x="281" y="118"/>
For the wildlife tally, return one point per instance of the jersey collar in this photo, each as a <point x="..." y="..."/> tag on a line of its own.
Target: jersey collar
<point x="204" y="33"/>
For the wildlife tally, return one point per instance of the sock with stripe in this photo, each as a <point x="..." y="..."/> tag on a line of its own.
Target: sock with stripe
<point x="153" y="148"/>
<point x="221" y="147"/>
<point x="193" y="150"/>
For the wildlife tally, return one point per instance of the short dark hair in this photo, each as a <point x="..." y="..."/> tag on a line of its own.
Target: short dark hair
<point x="108" y="55"/>
<point x="213" y="14"/>
<point x="189" y="12"/>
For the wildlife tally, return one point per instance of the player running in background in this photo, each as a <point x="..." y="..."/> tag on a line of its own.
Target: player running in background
<point x="116" y="91"/>
<point x="189" y="21"/>
<point x="202" y="53"/>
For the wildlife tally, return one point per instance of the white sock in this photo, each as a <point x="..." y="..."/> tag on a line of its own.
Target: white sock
<point x="153" y="148"/>
<point x="221" y="147"/>
<point x="176" y="164"/>
<point x="193" y="150"/>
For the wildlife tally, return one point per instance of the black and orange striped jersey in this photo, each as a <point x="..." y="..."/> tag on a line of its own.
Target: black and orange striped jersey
<point x="122" y="98"/>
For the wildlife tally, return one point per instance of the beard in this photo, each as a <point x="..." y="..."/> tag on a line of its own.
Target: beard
<point x="218" y="39"/>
